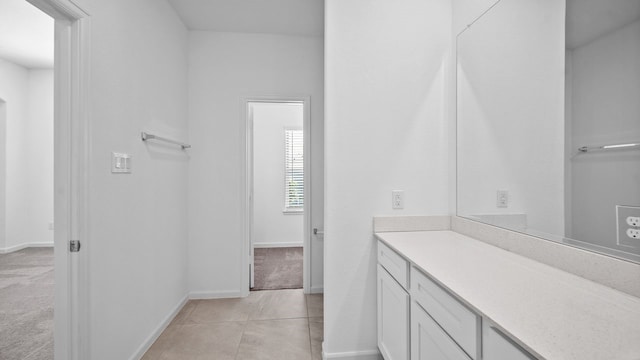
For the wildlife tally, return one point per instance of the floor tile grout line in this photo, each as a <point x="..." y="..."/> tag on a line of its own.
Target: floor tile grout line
<point x="278" y="319"/>
<point x="306" y="303"/>
<point x="310" y="340"/>
<point x="179" y="323"/>
<point x="244" y="330"/>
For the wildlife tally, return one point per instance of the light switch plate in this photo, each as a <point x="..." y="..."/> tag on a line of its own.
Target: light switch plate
<point x="625" y="218"/>
<point x="120" y="163"/>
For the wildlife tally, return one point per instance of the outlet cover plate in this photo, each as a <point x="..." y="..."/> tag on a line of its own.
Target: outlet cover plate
<point x="502" y="198"/>
<point x="397" y="199"/>
<point x="622" y="213"/>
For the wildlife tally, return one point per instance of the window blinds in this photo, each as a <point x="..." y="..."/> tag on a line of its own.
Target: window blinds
<point x="294" y="169"/>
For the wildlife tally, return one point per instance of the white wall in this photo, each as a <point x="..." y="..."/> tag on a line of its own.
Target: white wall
<point x="386" y="129"/>
<point x="27" y="156"/>
<point x="568" y="143"/>
<point x="137" y="245"/>
<point x="3" y="165"/>
<point x="466" y="12"/>
<point x="510" y="113"/>
<point x="224" y="68"/>
<point x="272" y="226"/>
<point x="13" y="91"/>
<point x="38" y="160"/>
<point x="606" y="87"/>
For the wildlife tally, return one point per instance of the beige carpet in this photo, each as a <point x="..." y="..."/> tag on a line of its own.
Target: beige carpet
<point x="277" y="268"/>
<point x="26" y="304"/>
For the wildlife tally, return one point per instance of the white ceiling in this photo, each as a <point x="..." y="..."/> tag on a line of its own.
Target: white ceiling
<point x="290" y="17"/>
<point x="588" y="20"/>
<point x="26" y="34"/>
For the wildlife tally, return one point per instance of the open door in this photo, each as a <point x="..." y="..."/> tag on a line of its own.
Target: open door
<point x="250" y="192"/>
<point x="71" y="99"/>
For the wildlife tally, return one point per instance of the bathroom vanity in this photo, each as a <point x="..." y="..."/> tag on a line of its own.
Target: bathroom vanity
<point x="444" y="295"/>
<point x="542" y="260"/>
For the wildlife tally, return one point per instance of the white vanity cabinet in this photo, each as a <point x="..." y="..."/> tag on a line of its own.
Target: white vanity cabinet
<point x="420" y="320"/>
<point x="470" y="300"/>
<point x="393" y="305"/>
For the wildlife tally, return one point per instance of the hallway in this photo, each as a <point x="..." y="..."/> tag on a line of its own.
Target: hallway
<point x="278" y="324"/>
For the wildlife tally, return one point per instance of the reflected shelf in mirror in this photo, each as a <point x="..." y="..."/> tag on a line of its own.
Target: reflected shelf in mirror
<point x="626" y="146"/>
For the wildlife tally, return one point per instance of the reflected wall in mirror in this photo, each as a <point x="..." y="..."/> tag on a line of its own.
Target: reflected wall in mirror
<point x="538" y="80"/>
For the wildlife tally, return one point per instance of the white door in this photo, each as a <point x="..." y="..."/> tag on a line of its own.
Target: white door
<point x="72" y="29"/>
<point x="250" y="192"/>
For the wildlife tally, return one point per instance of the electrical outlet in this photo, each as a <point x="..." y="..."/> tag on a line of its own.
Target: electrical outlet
<point x="397" y="199"/>
<point x="628" y="220"/>
<point x="633" y="233"/>
<point x="502" y="198"/>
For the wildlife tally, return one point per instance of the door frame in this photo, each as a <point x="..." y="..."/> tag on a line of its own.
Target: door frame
<point x="246" y="142"/>
<point x="71" y="159"/>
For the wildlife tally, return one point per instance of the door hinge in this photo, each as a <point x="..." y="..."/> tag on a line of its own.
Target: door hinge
<point x="74" y="246"/>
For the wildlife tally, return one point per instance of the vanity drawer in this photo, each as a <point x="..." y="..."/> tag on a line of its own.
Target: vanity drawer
<point x="498" y="346"/>
<point x="456" y="319"/>
<point x="428" y="341"/>
<point x="395" y="264"/>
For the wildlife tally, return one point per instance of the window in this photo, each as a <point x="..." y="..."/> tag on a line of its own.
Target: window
<point x="293" y="170"/>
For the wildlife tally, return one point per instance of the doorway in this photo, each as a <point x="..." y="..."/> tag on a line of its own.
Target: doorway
<point x="69" y="131"/>
<point x="277" y="210"/>
<point x="26" y="182"/>
<point x="277" y="194"/>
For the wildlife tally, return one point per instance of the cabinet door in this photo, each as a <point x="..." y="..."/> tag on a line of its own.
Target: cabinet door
<point x="393" y="318"/>
<point x="429" y="341"/>
<point x="497" y="346"/>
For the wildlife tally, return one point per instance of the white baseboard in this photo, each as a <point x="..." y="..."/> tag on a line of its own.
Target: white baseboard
<point x="353" y="355"/>
<point x="204" y="295"/>
<point x="11" y="249"/>
<point x="276" y="244"/>
<point x="158" y="331"/>
<point x="317" y="290"/>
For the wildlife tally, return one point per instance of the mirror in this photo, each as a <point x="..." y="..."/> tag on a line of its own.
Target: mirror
<point x="548" y="122"/>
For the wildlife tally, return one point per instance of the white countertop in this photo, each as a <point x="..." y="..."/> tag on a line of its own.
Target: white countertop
<point x="552" y="313"/>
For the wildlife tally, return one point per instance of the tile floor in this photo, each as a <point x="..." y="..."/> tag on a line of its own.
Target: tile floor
<point x="274" y="324"/>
